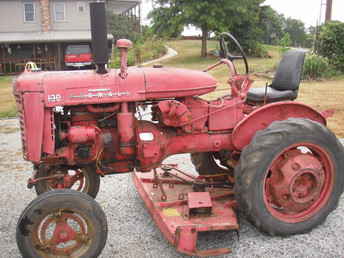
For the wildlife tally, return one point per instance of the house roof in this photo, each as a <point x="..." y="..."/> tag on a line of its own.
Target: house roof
<point x="122" y="6"/>
<point x="41" y="37"/>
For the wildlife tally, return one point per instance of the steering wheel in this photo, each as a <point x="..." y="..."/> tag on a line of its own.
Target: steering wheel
<point x="225" y="39"/>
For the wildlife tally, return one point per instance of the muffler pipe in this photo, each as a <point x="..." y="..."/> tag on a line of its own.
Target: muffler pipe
<point x="99" y="36"/>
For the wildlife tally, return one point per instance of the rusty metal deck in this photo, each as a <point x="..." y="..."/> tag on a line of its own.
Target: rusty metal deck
<point x="170" y="209"/>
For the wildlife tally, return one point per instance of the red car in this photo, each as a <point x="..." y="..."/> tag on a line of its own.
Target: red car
<point x="78" y="55"/>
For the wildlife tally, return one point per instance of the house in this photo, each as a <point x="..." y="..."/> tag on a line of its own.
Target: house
<point x="40" y="30"/>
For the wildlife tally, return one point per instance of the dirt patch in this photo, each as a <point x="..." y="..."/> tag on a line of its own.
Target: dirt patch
<point x="8" y="130"/>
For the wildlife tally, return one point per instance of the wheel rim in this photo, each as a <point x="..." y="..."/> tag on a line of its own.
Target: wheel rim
<point x="63" y="233"/>
<point x="70" y="178"/>
<point x="299" y="182"/>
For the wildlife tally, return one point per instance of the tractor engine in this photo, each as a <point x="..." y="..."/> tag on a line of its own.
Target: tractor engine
<point x="94" y="134"/>
<point x="115" y="140"/>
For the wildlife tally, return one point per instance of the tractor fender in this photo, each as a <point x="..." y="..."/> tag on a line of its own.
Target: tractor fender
<point x="262" y="117"/>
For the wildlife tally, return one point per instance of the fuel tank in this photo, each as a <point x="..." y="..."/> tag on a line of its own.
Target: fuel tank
<point x="66" y="88"/>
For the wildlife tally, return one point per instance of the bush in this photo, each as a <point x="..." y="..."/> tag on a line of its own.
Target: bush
<point x="285" y="40"/>
<point x="141" y="52"/>
<point x="317" y="67"/>
<point x="332" y="43"/>
<point x="259" y="51"/>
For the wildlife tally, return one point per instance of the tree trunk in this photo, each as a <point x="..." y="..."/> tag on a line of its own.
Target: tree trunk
<point x="204" y="41"/>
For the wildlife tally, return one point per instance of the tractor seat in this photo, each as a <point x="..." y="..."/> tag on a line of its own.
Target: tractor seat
<point x="286" y="83"/>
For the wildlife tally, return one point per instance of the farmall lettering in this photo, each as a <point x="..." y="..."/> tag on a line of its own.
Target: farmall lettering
<point x="100" y="93"/>
<point x="276" y="155"/>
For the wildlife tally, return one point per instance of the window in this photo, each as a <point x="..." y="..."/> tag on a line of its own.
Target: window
<point x="29" y="12"/>
<point x="81" y="6"/>
<point x="78" y="49"/>
<point x="60" y="11"/>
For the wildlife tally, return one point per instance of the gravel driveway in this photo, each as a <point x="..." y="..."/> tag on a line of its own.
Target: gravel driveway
<point x="132" y="232"/>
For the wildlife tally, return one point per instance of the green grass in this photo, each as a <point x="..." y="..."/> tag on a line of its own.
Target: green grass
<point x="7" y="102"/>
<point x="189" y="57"/>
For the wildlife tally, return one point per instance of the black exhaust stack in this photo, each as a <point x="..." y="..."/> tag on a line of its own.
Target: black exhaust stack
<point x="99" y="36"/>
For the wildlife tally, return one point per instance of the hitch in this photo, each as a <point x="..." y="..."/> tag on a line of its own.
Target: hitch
<point x="33" y="181"/>
<point x="60" y="180"/>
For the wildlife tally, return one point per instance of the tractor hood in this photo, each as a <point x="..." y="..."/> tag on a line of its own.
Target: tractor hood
<point x="87" y="87"/>
<point x="171" y="82"/>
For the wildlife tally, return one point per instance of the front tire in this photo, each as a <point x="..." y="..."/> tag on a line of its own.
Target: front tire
<point x="62" y="223"/>
<point x="290" y="177"/>
<point x="82" y="179"/>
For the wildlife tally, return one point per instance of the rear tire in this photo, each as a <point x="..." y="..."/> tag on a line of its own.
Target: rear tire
<point x="286" y="189"/>
<point x="62" y="223"/>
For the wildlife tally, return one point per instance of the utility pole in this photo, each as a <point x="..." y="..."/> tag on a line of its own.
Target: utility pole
<point x="328" y="15"/>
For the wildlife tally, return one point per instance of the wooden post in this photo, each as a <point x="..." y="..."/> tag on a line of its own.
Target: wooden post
<point x="328" y="15"/>
<point x="58" y="62"/>
<point x="34" y="47"/>
<point x="140" y="17"/>
<point x="2" y="57"/>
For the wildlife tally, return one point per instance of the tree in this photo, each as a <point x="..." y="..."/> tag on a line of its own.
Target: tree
<point x="122" y="27"/>
<point x="167" y="22"/>
<point x="296" y="30"/>
<point x="332" y="43"/>
<point x="311" y="35"/>
<point x="275" y="27"/>
<point x="239" y="17"/>
<point x="271" y="24"/>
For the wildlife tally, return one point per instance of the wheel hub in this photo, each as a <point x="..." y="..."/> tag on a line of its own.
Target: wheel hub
<point x="57" y="236"/>
<point x="296" y="182"/>
<point x="305" y="185"/>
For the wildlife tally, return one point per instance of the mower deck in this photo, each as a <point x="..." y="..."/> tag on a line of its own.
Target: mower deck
<point x="181" y="213"/>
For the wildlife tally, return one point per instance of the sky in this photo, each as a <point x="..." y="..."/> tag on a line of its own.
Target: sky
<point x="307" y="11"/>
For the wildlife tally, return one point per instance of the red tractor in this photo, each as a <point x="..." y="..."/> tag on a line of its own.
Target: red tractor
<point x="254" y="149"/>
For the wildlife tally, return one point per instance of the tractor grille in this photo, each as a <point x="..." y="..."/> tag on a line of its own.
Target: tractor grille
<point x="20" y="110"/>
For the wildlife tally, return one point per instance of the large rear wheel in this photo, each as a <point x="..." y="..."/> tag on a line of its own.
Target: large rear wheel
<point x="290" y="177"/>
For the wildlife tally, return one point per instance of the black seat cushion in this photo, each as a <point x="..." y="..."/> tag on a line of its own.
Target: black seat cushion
<point x="258" y="95"/>
<point x="289" y="71"/>
<point x="286" y="82"/>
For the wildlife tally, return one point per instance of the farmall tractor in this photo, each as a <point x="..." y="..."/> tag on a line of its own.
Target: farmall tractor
<point x="256" y="150"/>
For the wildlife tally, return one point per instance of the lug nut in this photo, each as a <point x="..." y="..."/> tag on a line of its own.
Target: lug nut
<point x="295" y="166"/>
